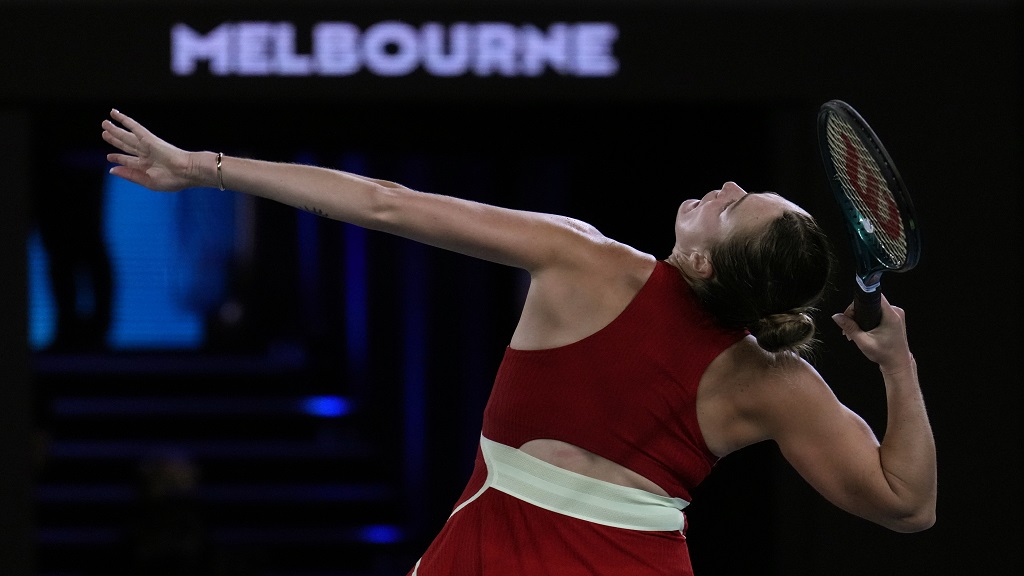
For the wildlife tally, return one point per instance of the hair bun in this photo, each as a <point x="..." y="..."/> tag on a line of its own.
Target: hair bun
<point x="788" y="330"/>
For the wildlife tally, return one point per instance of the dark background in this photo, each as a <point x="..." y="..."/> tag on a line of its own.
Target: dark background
<point x="707" y="92"/>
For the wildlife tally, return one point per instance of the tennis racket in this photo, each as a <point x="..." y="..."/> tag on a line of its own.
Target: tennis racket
<point x="879" y="216"/>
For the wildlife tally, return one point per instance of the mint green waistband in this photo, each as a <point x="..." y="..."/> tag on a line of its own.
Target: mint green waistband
<point x="532" y="480"/>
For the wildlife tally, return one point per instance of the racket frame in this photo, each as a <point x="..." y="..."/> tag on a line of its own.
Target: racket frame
<point x="871" y="258"/>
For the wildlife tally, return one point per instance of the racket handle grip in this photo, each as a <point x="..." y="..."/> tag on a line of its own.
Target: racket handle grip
<point x="867" y="308"/>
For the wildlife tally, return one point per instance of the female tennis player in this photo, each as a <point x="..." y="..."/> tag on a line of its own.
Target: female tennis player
<point x="627" y="376"/>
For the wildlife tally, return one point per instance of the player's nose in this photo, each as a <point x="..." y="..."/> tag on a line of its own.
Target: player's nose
<point x="732" y="189"/>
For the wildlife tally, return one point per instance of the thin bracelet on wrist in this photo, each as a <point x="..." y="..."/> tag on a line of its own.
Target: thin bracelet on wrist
<point x="220" y="171"/>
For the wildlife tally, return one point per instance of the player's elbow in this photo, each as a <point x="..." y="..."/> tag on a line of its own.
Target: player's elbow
<point x="904" y="515"/>
<point x="908" y="507"/>
<point x="916" y="521"/>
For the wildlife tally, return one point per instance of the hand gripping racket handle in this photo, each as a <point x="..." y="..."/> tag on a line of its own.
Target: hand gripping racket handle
<point x="867" y="308"/>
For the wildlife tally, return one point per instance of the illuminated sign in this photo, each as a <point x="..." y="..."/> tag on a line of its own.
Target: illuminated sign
<point x="395" y="48"/>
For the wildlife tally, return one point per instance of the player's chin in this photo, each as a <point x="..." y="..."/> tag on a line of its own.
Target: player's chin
<point x="688" y="205"/>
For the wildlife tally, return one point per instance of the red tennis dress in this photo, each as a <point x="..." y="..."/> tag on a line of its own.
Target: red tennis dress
<point x="626" y="393"/>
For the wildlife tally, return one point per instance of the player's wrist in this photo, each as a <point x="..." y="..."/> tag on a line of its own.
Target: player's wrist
<point x="201" y="170"/>
<point x="897" y="367"/>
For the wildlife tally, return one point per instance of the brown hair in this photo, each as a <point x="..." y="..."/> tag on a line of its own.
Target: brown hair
<point x="770" y="283"/>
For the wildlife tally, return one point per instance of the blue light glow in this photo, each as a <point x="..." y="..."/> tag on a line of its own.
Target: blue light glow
<point x="380" y="534"/>
<point x="326" y="406"/>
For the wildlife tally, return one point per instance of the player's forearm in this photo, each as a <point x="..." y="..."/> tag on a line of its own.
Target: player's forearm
<point x="329" y="193"/>
<point x="907" y="451"/>
<point x="463" y="226"/>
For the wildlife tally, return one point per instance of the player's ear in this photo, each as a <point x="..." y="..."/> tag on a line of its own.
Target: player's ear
<point x="700" y="263"/>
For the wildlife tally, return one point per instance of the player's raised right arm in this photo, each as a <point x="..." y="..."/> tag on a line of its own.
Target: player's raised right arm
<point x="518" y="238"/>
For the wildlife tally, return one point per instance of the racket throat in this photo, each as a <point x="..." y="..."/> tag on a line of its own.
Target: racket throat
<point x="869" y="284"/>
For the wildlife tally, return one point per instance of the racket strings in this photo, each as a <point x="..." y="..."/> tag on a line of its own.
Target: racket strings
<point x="867" y="188"/>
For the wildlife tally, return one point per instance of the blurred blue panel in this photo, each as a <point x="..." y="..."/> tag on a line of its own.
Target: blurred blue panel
<point x="356" y="274"/>
<point x="42" y="313"/>
<point x="357" y="314"/>
<point x="140" y="234"/>
<point x="170" y="255"/>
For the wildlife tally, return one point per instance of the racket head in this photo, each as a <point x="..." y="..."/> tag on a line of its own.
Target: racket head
<point x="879" y="215"/>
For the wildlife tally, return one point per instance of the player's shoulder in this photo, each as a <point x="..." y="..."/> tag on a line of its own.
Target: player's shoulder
<point x="612" y="261"/>
<point x="768" y="377"/>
